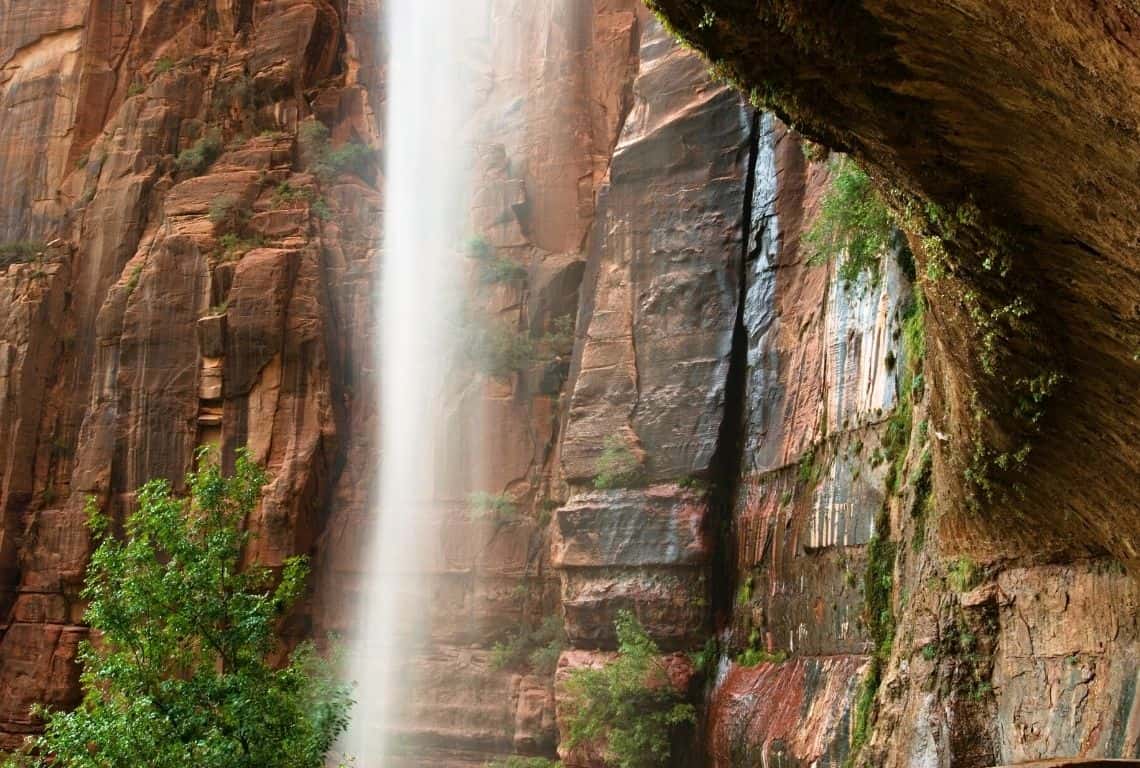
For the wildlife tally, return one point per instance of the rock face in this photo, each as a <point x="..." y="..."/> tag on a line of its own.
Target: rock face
<point x="710" y="432"/>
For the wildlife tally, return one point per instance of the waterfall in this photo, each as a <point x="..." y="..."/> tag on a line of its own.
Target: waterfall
<point x="425" y="220"/>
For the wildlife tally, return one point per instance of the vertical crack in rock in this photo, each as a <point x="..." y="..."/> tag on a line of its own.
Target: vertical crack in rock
<point x="728" y="458"/>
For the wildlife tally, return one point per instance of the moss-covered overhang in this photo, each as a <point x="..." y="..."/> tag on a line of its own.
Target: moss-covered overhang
<point x="1007" y="133"/>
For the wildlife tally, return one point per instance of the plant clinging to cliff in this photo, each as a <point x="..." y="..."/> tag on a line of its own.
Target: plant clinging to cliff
<point x="617" y="466"/>
<point x="853" y="223"/>
<point x="197" y="157"/>
<point x="628" y="707"/>
<point x="536" y="648"/>
<point x="320" y="156"/>
<point x="183" y="672"/>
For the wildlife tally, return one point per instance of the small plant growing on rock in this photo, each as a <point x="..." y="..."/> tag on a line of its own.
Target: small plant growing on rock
<point x="196" y="158"/>
<point x="536" y="648"/>
<point x="497" y="506"/>
<point x="20" y="252"/>
<point x="324" y="161"/>
<point x="520" y="761"/>
<point x="853" y="223"/>
<point x="629" y="707"/>
<point x="499" y="350"/>
<point x="228" y="214"/>
<point x="963" y="575"/>
<point x="492" y="268"/>
<point x="617" y="466"/>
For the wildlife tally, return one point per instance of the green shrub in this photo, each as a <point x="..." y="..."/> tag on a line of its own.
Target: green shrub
<point x="499" y="350"/>
<point x="228" y="214"/>
<point x="518" y="761"/>
<point x="628" y="707"/>
<point x="499" y="507"/>
<point x="324" y="161"/>
<point x="492" y="268"/>
<point x="196" y="158"/>
<point x="963" y="574"/>
<point x="321" y="209"/>
<point x="478" y="247"/>
<point x="20" y="252"/>
<point x="617" y="466"/>
<point x="751" y="657"/>
<point x="186" y="670"/>
<point x="853" y="223"/>
<point x="234" y="246"/>
<point x="497" y="270"/>
<point x="754" y="654"/>
<point x="133" y="280"/>
<point x="559" y="340"/>
<point x="163" y="65"/>
<point x="536" y="648"/>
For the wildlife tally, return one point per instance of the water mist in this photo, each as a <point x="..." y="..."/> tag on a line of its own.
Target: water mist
<point x="424" y="224"/>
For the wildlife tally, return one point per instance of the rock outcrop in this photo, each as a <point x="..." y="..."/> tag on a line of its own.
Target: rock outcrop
<point x="710" y="431"/>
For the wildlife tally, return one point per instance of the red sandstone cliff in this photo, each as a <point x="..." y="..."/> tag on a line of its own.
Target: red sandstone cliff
<point x="647" y="201"/>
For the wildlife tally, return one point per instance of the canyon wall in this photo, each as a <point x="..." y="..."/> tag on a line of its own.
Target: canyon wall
<point x="799" y="491"/>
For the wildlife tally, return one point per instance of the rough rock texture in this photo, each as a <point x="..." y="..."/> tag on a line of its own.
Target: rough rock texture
<point x="140" y="335"/>
<point x="677" y="329"/>
<point x="999" y="131"/>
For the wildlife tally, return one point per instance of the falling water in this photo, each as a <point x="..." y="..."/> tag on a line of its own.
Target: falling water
<point x="425" y="219"/>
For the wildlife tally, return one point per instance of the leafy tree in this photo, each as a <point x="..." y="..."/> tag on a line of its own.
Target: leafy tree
<point x="629" y="705"/>
<point x="179" y="671"/>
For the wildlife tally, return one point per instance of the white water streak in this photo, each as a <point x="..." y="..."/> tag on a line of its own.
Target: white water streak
<point x="426" y="193"/>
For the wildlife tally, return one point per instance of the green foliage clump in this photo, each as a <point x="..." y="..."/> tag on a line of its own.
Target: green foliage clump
<point x="498" y="350"/>
<point x="705" y="660"/>
<point x="163" y="65"/>
<point x="963" y="575"/>
<point x="228" y="214"/>
<point x="324" y="161"/>
<point x="497" y="506"/>
<point x="492" y="269"/>
<point x="234" y="246"/>
<point x="133" y="280"/>
<point x="196" y="158"/>
<point x="744" y="594"/>
<point x="628" y="707"/>
<point x="910" y="388"/>
<point x="808" y="469"/>
<point x="519" y="761"/>
<point x="878" y="584"/>
<point x="617" y="466"/>
<point x="754" y="654"/>
<point x="20" y="252"/>
<point x="182" y="673"/>
<point x="536" y="648"/>
<point x="559" y="340"/>
<point x="853" y="223"/>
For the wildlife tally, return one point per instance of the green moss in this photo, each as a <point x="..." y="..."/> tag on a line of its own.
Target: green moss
<point x="617" y="466"/>
<point x="963" y="574"/>
<point x="744" y="593"/>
